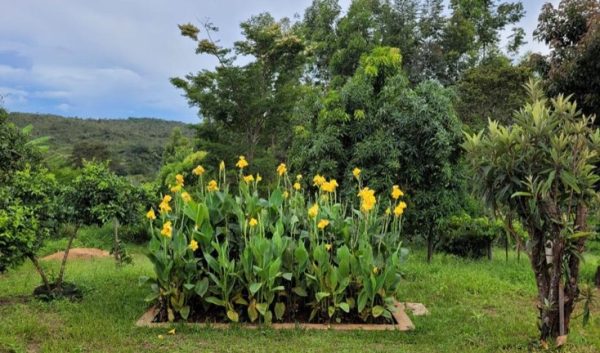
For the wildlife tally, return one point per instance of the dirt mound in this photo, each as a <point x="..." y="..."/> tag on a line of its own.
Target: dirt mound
<point x="79" y="253"/>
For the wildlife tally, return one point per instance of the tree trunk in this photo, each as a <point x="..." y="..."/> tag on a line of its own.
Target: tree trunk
<point x="430" y="246"/>
<point x="116" y="247"/>
<point x="40" y="270"/>
<point x="61" y="274"/>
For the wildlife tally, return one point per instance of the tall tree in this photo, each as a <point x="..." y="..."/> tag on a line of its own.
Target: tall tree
<point x="252" y="101"/>
<point x="572" y="31"/>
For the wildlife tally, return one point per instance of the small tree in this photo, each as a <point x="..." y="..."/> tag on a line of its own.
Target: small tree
<point x="542" y="167"/>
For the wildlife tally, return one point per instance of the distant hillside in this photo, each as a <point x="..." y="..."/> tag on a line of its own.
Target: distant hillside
<point x="133" y="145"/>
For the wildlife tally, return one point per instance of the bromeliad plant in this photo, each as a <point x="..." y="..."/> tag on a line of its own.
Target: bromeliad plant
<point x="301" y="253"/>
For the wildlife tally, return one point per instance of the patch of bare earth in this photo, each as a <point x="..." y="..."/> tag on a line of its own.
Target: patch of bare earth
<point x="79" y="253"/>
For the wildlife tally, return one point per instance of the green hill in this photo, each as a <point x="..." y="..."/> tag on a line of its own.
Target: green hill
<point x="134" y="146"/>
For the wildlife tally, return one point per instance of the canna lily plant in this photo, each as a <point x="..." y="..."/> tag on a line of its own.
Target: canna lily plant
<point x="298" y="253"/>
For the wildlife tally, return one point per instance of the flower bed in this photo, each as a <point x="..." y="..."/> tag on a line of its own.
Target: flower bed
<point x="294" y="256"/>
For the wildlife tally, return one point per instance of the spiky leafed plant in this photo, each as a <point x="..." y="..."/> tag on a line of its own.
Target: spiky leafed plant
<point x="542" y="168"/>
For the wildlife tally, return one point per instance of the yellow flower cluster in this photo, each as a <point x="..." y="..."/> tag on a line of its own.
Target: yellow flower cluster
<point x="356" y="172"/>
<point x="249" y="178"/>
<point x="396" y="192"/>
<point x="167" y="230"/>
<point x="281" y="169"/>
<point x="329" y="186"/>
<point x="199" y="170"/>
<point x="399" y="209"/>
<point x="367" y="199"/>
<point x="297" y="186"/>
<point x="241" y="163"/>
<point x="179" y="179"/>
<point x="186" y="197"/>
<point x="193" y="245"/>
<point x="151" y="215"/>
<point x="322" y="224"/>
<point x="164" y="205"/>
<point x="212" y="186"/>
<point x="253" y="222"/>
<point x="313" y="211"/>
<point x="318" y="180"/>
<point x="176" y="188"/>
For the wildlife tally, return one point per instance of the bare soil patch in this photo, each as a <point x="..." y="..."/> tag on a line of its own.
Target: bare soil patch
<point x="79" y="253"/>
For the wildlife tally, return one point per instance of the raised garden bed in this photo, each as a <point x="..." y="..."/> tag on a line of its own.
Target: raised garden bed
<point x="401" y="322"/>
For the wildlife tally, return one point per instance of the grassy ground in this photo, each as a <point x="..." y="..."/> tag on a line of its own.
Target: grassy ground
<point x="475" y="307"/>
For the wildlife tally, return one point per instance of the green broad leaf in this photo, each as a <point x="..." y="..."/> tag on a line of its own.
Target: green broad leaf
<point x="321" y="295"/>
<point x="170" y="315"/>
<point x="330" y="310"/>
<point x="278" y="289"/>
<point x="185" y="312"/>
<point x="240" y="300"/>
<point x="215" y="301"/>
<point x="252" y="312"/>
<point x="268" y="317"/>
<point x="300" y="291"/>
<point x="201" y="287"/>
<point x="344" y="306"/>
<point x="151" y="297"/>
<point x="189" y="286"/>
<point x="287" y="276"/>
<point x="569" y="180"/>
<point x="233" y="315"/>
<point x="279" y="310"/>
<point x="377" y="310"/>
<point x="255" y="287"/>
<point x="262" y="308"/>
<point x="276" y="198"/>
<point x="362" y="300"/>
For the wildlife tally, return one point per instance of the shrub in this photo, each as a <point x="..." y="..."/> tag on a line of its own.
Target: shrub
<point x="470" y="237"/>
<point x="275" y="258"/>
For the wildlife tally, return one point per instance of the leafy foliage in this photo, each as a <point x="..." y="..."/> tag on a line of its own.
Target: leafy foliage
<point x="541" y="168"/>
<point x="271" y="259"/>
<point x="467" y="236"/>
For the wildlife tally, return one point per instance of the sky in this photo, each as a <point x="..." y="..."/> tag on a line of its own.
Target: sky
<point x="114" y="58"/>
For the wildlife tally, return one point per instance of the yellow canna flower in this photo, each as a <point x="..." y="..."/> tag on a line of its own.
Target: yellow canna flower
<point x="212" y="186"/>
<point x="313" y="211"/>
<point x="150" y="215"/>
<point x="186" y="197"/>
<point x="222" y="166"/>
<point x="328" y="247"/>
<point x="164" y="205"/>
<point x="318" y="180"/>
<point x="253" y="222"/>
<point x="258" y="177"/>
<point x="299" y="177"/>
<point x="396" y="192"/>
<point x="323" y="223"/>
<point x="179" y="179"/>
<point x="167" y="230"/>
<point x="176" y="188"/>
<point x="356" y="172"/>
<point x="193" y="245"/>
<point x="242" y="163"/>
<point x="367" y="198"/>
<point x="249" y="178"/>
<point x="297" y="186"/>
<point x="334" y="183"/>
<point x="199" y="170"/>
<point x="281" y="169"/>
<point x="286" y="194"/>
<point x="399" y="210"/>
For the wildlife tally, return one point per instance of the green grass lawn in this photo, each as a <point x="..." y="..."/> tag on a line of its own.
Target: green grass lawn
<point x="475" y="307"/>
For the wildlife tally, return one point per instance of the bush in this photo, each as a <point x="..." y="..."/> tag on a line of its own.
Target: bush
<point x="465" y="236"/>
<point x="292" y="253"/>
